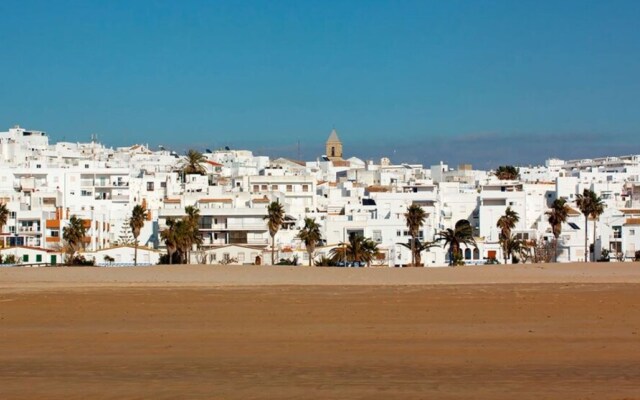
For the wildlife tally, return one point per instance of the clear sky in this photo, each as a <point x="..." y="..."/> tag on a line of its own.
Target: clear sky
<point x="485" y="82"/>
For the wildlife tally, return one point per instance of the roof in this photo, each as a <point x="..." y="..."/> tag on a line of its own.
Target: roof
<point x="264" y="199"/>
<point x="215" y="164"/>
<point x="340" y="163"/>
<point x="140" y="248"/>
<point x="632" y="221"/>
<point x="215" y="201"/>
<point x="632" y="211"/>
<point x="378" y="188"/>
<point x="289" y="161"/>
<point x="573" y="212"/>
<point x="167" y="200"/>
<point x="333" y="137"/>
<point x="29" y="248"/>
<point x="244" y="246"/>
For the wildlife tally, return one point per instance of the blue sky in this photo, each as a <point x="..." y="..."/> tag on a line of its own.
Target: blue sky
<point x="485" y="82"/>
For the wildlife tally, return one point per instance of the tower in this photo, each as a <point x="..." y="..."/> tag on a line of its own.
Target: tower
<point x="334" y="147"/>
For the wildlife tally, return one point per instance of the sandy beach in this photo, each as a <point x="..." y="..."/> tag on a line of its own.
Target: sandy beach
<point x="202" y="332"/>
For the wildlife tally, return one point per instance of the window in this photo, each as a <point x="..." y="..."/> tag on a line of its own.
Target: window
<point x="25" y="258"/>
<point x="38" y="166"/>
<point x="86" y="165"/>
<point x="150" y="186"/>
<point x="274" y="187"/>
<point x="305" y="188"/>
<point x="377" y="236"/>
<point x="55" y="233"/>
<point x="163" y="184"/>
<point x="38" y="257"/>
<point x="264" y="187"/>
<point x="289" y="188"/>
<point x="12" y="215"/>
<point x="398" y="233"/>
<point x="85" y="193"/>
<point x="256" y="188"/>
<point x="632" y="232"/>
<point x="617" y="232"/>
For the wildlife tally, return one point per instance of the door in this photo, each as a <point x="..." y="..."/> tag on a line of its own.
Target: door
<point x="54" y="259"/>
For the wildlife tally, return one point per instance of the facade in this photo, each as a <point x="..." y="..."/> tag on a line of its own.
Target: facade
<point x="44" y="184"/>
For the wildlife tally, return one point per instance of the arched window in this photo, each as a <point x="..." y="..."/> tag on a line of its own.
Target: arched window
<point x="476" y="254"/>
<point x="333" y="151"/>
<point x="467" y="254"/>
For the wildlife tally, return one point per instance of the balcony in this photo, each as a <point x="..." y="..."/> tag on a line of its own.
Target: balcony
<point x="53" y="224"/>
<point x="247" y="227"/>
<point x="213" y="242"/>
<point x="213" y="227"/>
<point x="35" y="229"/>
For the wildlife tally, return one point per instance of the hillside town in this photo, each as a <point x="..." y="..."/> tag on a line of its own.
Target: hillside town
<point x="62" y="202"/>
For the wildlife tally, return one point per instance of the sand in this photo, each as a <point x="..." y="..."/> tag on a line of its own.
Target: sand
<point x="202" y="332"/>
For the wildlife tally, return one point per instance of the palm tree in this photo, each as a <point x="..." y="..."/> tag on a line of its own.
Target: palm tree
<point x="590" y="204"/>
<point x="183" y="239"/>
<point x="419" y="247"/>
<point x="136" y="222"/>
<point x="168" y="235"/>
<point x="557" y="216"/>
<point x="415" y="217"/>
<point x="597" y="210"/>
<point x="506" y="223"/>
<point x="455" y="238"/>
<point x="274" y="218"/>
<point x="4" y="216"/>
<point x="359" y="249"/>
<point x="311" y="236"/>
<point x="508" y="172"/>
<point x="191" y="229"/>
<point x="513" y="246"/>
<point x="193" y="163"/>
<point x="73" y="234"/>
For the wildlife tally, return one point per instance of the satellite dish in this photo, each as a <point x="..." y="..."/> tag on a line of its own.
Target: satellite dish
<point x="161" y="147"/>
<point x="227" y="148"/>
<point x="209" y="151"/>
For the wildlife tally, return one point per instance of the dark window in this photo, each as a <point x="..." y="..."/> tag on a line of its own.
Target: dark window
<point x="574" y="226"/>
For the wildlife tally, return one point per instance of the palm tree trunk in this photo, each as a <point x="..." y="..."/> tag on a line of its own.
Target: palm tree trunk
<point x="170" y="257"/>
<point x="413" y="251"/>
<point x="504" y="252"/>
<point x="273" y="249"/>
<point x="310" y="258"/>
<point x="555" y="250"/>
<point x="135" y="253"/>
<point x="586" y="238"/>
<point x="594" y="241"/>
